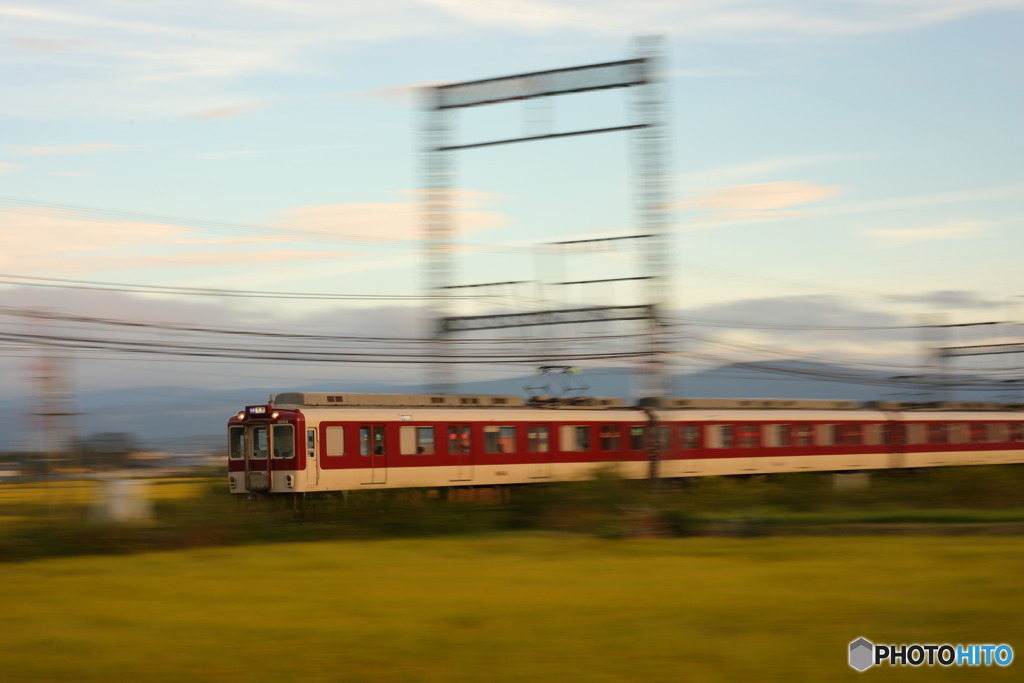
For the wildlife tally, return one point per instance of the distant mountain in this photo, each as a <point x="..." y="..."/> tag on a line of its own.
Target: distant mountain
<point x="187" y="420"/>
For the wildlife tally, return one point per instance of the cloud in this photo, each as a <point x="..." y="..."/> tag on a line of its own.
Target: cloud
<point x="756" y="170"/>
<point x="50" y="44"/>
<point x="388" y="221"/>
<point x="223" y="112"/>
<point x="213" y="259"/>
<point x="952" y="299"/>
<point x="172" y="59"/>
<point x="725" y="19"/>
<point x="949" y="231"/>
<point x="826" y="328"/>
<point x="757" y="200"/>
<point x="56" y="150"/>
<point x="411" y="94"/>
<point x="931" y="200"/>
<point x="7" y="166"/>
<point x="58" y="240"/>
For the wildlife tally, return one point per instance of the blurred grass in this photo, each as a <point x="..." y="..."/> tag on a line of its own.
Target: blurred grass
<point x="71" y="493"/>
<point x="510" y="607"/>
<point x="59" y="519"/>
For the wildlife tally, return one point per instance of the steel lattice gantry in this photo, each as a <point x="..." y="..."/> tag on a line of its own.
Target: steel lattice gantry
<point x="649" y="131"/>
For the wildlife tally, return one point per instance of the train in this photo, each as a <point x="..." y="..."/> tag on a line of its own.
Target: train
<point x="307" y="442"/>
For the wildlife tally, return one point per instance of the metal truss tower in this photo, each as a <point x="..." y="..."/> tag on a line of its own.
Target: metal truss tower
<point x="649" y="151"/>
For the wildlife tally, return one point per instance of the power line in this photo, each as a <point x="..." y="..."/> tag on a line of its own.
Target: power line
<point x="49" y="315"/>
<point x="62" y="283"/>
<point x="174" y="348"/>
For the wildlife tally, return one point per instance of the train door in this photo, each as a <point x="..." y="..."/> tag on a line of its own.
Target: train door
<point x="895" y="437"/>
<point x="373" y="447"/>
<point x="538" y="444"/>
<point x="257" y="460"/>
<point x="460" y="449"/>
<point x="688" y="443"/>
<point x="312" y="461"/>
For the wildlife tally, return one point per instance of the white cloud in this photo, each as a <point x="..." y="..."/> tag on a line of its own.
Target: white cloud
<point x="763" y="169"/>
<point x="49" y="44"/>
<point x="183" y="56"/>
<point x="403" y="95"/>
<point x="756" y="201"/>
<point x="62" y="241"/>
<point x="68" y="241"/>
<point x="224" y="112"/>
<point x="7" y="166"/>
<point x="930" y="200"/>
<point x="949" y="231"/>
<point x="389" y="221"/>
<point x="767" y="20"/>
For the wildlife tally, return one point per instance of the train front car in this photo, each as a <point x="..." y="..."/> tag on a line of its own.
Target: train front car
<point x="265" y="451"/>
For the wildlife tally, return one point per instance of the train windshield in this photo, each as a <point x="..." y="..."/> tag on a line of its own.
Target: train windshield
<point x="259" y="442"/>
<point x="284" y="441"/>
<point x="236" y="443"/>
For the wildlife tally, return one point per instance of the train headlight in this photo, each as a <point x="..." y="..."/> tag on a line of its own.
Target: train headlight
<point x="232" y="482"/>
<point x="241" y="415"/>
<point x="275" y="415"/>
<point x="290" y="481"/>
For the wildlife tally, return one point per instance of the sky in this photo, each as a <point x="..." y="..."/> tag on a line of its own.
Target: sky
<point x="840" y="173"/>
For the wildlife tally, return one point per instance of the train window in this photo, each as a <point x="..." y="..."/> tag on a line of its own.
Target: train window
<point x="499" y="439"/>
<point x="371" y="440"/>
<point x="748" y="436"/>
<point x="259" y="442"/>
<point x="999" y="432"/>
<point x="575" y="438"/>
<point x="889" y="434"/>
<point x="958" y="433"/>
<point x="914" y="433"/>
<point x="1017" y="431"/>
<point x="802" y="435"/>
<point x="416" y="440"/>
<point x="720" y="436"/>
<point x="978" y="432"/>
<point x="284" y="442"/>
<point x="937" y="432"/>
<point x="826" y="435"/>
<point x="636" y="438"/>
<point x="873" y="434"/>
<point x="611" y="437"/>
<point x="689" y="437"/>
<point x="236" y="443"/>
<point x="776" y="435"/>
<point x="849" y="434"/>
<point x="334" y="440"/>
<point x="458" y="439"/>
<point x="537" y="438"/>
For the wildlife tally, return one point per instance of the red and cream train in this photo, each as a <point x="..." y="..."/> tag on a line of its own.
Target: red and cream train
<point x="307" y="442"/>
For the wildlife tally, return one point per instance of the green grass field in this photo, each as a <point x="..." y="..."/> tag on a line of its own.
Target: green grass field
<point x="511" y="607"/>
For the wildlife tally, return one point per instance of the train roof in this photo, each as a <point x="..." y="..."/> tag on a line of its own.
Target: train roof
<point x="305" y="399"/>
<point x="342" y="399"/>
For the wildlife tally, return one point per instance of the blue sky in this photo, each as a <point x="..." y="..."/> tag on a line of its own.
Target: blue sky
<point x="852" y="164"/>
